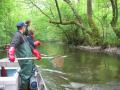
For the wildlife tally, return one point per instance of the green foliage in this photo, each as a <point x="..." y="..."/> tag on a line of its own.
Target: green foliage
<point x="12" y="11"/>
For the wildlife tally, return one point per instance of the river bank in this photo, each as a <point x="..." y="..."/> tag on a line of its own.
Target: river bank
<point x="108" y="50"/>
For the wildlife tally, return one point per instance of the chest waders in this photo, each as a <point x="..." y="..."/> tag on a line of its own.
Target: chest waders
<point x="22" y="51"/>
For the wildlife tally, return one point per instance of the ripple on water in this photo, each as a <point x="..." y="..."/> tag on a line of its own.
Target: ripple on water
<point x="81" y="86"/>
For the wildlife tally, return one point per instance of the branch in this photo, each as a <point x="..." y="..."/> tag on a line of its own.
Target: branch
<point x="39" y="9"/>
<point x="58" y="10"/>
<point x="68" y="23"/>
<point x="78" y="17"/>
<point x="51" y="12"/>
<point x="63" y="22"/>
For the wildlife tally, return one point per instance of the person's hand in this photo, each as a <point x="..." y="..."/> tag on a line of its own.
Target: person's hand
<point x="11" y="54"/>
<point x="36" y="53"/>
<point x="11" y="58"/>
<point x="37" y="43"/>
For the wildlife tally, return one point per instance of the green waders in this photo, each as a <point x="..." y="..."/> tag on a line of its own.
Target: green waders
<point x="22" y="51"/>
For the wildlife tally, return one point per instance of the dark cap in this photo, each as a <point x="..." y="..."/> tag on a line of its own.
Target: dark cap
<point x="20" y="24"/>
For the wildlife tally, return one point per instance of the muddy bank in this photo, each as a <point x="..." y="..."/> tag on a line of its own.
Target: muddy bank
<point x="108" y="50"/>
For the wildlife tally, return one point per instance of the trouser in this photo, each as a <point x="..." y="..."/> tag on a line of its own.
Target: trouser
<point x="26" y="72"/>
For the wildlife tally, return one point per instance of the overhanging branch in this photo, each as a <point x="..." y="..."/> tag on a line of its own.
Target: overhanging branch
<point x="39" y="9"/>
<point x="56" y="2"/>
<point x="68" y="23"/>
<point x="63" y="22"/>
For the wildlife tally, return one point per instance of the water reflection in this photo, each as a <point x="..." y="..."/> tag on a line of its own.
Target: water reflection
<point x="80" y="70"/>
<point x="58" y="61"/>
<point x="83" y="70"/>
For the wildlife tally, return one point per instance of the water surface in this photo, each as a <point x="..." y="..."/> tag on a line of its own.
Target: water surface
<point x="80" y="70"/>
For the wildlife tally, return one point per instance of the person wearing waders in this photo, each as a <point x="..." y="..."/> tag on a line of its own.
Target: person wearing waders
<point x="21" y="48"/>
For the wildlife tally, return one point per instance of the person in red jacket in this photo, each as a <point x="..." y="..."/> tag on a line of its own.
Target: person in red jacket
<point x="21" y="47"/>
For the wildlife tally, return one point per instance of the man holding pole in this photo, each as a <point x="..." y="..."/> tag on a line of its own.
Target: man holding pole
<point x="21" y="47"/>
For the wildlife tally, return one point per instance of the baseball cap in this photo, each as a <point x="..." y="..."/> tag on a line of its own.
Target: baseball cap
<point x="20" y="24"/>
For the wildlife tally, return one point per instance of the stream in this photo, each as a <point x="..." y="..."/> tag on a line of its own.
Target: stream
<point x="79" y="70"/>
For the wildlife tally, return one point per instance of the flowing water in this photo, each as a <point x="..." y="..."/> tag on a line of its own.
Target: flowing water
<point x="80" y="70"/>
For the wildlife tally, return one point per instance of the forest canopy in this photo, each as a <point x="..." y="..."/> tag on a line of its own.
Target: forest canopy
<point x="77" y="22"/>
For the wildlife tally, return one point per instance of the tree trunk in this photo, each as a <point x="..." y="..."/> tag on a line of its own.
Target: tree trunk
<point x="114" y="13"/>
<point x="95" y="31"/>
<point x="115" y="18"/>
